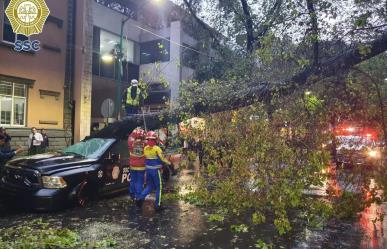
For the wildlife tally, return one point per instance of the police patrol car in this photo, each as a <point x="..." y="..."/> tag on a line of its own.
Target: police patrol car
<point x="95" y="167"/>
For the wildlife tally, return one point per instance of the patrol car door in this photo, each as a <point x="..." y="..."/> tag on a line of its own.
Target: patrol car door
<point x="116" y="167"/>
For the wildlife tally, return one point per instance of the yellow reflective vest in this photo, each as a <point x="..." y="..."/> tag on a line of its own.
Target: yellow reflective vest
<point x="136" y="100"/>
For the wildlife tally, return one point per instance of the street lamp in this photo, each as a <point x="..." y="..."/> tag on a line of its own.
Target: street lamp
<point x="119" y="55"/>
<point x="107" y="58"/>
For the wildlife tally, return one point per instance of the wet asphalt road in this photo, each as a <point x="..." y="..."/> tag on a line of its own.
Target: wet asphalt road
<point x="185" y="226"/>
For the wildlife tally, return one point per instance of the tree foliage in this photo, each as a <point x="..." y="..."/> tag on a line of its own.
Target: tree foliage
<point x="278" y="45"/>
<point x="264" y="156"/>
<point x="252" y="162"/>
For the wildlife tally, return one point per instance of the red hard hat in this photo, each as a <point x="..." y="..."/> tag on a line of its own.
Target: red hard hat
<point x="151" y="135"/>
<point x="138" y="133"/>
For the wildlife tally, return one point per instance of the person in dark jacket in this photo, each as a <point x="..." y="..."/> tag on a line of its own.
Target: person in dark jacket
<point x="6" y="155"/>
<point x="45" y="144"/>
<point x="5" y="139"/>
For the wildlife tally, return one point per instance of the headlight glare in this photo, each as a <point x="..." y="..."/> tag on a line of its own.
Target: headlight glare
<point x="374" y="153"/>
<point x="53" y="182"/>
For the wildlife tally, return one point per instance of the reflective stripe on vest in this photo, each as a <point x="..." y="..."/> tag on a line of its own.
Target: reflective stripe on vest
<point x="136" y="100"/>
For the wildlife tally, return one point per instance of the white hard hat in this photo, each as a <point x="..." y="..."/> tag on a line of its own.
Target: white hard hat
<point x="134" y="82"/>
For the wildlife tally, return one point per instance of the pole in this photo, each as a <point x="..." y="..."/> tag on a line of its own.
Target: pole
<point x="143" y="119"/>
<point x="118" y="74"/>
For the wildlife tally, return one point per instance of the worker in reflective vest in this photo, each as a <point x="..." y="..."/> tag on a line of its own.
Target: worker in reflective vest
<point x="133" y="99"/>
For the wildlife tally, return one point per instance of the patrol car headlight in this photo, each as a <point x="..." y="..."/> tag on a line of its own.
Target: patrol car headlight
<point x="373" y="153"/>
<point x="53" y="182"/>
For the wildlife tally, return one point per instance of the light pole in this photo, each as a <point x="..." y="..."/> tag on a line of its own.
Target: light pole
<point x="118" y="71"/>
<point x="119" y="61"/>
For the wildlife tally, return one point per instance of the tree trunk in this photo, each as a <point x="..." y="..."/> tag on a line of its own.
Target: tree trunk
<point x="248" y="26"/>
<point x="315" y="34"/>
<point x="343" y="62"/>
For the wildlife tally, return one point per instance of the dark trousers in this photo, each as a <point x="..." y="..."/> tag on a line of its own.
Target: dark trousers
<point x="132" y="110"/>
<point x="35" y="150"/>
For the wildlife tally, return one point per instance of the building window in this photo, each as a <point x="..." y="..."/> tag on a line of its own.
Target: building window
<point x="109" y="42"/>
<point x="13" y="102"/>
<point x="154" y="51"/>
<point x="105" y="45"/>
<point x="8" y="34"/>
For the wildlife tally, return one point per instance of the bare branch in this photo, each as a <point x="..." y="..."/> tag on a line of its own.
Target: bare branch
<point x="265" y="26"/>
<point x="352" y="31"/>
<point x="193" y="13"/>
<point x="315" y="33"/>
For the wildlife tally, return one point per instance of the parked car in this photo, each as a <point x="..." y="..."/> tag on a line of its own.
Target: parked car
<point x="92" y="168"/>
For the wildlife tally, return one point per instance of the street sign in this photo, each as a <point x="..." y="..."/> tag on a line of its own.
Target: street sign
<point x="107" y="108"/>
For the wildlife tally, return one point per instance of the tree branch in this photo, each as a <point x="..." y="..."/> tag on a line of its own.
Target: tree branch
<point x="248" y="26"/>
<point x="352" y="31"/>
<point x="315" y="33"/>
<point x="264" y="27"/>
<point x="255" y="91"/>
<point x="262" y="91"/>
<point x="344" y="61"/>
<point x="382" y="107"/>
<point x="200" y="21"/>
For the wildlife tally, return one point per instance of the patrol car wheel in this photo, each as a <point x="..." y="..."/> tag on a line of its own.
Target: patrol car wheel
<point x="82" y="197"/>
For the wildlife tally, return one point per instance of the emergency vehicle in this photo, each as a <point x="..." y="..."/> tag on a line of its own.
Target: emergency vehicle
<point x="357" y="145"/>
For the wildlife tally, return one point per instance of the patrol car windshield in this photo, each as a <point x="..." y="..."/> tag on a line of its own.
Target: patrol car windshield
<point x="354" y="142"/>
<point x="91" y="149"/>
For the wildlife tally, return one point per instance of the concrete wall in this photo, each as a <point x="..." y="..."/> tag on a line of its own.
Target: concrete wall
<point x="148" y="36"/>
<point x="103" y="88"/>
<point x="83" y="69"/>
<point x="110" y="20"/>
<point x="58" y="139"/>
<point x="189" y="40"/>
<point x="171" y="70"/>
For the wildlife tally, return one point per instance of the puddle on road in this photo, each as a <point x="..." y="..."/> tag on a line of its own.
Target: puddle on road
<point x="185" y="226"/>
